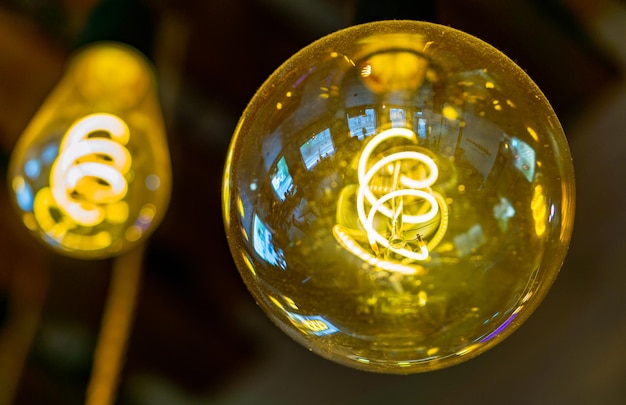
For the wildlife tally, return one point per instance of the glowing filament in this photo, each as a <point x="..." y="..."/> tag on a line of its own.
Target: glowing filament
<point x="89" y="172"/>
<point x="87" y="182"/>
<point x="396" y="187"/>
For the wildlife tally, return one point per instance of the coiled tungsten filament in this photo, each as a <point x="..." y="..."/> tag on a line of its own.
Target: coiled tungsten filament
<point x="396" y="207"/>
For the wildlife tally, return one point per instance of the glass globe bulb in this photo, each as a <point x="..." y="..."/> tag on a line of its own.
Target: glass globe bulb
<point x="398" y="196"/>
<point x="90" y="176"/>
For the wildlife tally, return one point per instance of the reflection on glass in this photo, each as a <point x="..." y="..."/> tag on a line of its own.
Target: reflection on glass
<point x="524" y="156"/>
<point x="364" y="125"/>
<point x="317" y="148"/>
<point x="503" y="212"/>
<point x="264" y="245"/>
<point x="470" y="241"/>
<point x="420" y="125"/>
<point x="480" y="143"/>
<point x="398" y="117"/>
<point x="315" y="325"/>
<point x="281" y="179"/>
<point x="539" y="208"/>
<point x="309" y="324"/>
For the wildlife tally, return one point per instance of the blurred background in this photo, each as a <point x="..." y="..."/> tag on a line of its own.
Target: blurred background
<point x="197" y="336"/>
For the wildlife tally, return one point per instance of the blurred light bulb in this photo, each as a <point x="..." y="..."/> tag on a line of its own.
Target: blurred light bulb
<point x="91" y="174"/>
<point x="398" y="196"/>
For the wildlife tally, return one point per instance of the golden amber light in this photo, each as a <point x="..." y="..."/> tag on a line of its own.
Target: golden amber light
<point x="91" y="173"/>
<point x="398" y="196"/>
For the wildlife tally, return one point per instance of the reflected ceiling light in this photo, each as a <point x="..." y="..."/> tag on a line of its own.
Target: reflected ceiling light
<point x="425" y="238"/>
<point x="94" y="159"/>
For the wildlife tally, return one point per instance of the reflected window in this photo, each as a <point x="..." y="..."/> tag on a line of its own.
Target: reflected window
<point x="421" y="126"/>
<point x="264" y="245"/>
<point x="317" y="148"/>
<point x="397" y="117"/>
<point x="363" y="125"/>
<point x="282" y="182"/>
<point x="524" y="158"/>
<point x="480" y="143"/>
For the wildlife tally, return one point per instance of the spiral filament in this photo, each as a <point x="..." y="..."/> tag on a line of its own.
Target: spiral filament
<point x="87" y="183"/>
<point x="400" y="217"/>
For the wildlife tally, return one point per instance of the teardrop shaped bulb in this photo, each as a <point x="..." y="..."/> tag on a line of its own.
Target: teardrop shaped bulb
<point x="91" y="176"/>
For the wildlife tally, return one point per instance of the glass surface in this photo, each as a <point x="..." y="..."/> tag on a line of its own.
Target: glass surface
<point x="398" y="196"/>
<point x="91" y="174"/>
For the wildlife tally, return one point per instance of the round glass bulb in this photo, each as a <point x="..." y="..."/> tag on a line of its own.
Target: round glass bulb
<point x="91" y="175"/>
<point x="398" y="196"/>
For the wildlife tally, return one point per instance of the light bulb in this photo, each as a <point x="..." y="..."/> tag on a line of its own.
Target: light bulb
<point x="398" y="196"/>
<point x="91" y="173"/>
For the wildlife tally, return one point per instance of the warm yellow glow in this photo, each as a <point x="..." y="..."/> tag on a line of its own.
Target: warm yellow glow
<point x="276" y="302"/>
<point x="468" y="349"/>
<point x="314" y="325"/>
<point x="240" y="208"/>
<point x="117" y="212"/>
<point x="147" y="213"/>
<point x="112" y="75"/>
<point x="248" y="263"/>
<point x="540" y="210"/>
<point x="133" y="233"/>
<point x="30" y="222"/>
<point x="533" y="133"/>
<point x="432" y="351"/>
<point x="450" y="112"/>
<point x="351" y="245"/>
<point x="290" y="302"/>
<point x="94" y="162"/>
<point x="393" y="71"/>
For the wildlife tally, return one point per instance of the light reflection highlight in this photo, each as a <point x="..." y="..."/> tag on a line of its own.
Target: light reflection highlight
<point x="539" y="209"/>
<point x="310" y="324"/>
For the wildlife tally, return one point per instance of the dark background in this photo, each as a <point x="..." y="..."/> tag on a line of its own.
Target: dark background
<point x="198" y="337"/>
